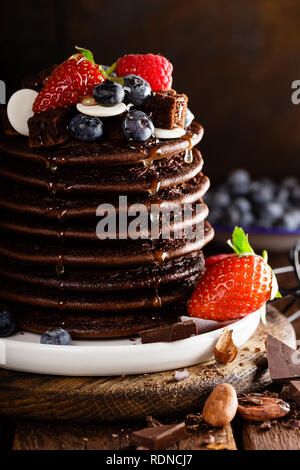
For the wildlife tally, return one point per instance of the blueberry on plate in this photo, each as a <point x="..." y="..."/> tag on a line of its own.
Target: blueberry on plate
<point x="86" y="128"/>
<point x="57" y="336"/>
<point x="137" y="90"/>
<point x="109" y="93"/>
<point x="7" y="324"/>
<point x="189" y="117"/>
<point x="137" y="125"/>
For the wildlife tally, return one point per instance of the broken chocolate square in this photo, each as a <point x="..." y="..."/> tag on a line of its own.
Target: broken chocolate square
<point x="50" y="127"/>
<point x="169" y="333"/>
<point x="159" y="437"/>
<point x="37" y="81"/>
<point x="283" y="361"/>
<point x="168" y="109"/>
<point x="292" y="392"/>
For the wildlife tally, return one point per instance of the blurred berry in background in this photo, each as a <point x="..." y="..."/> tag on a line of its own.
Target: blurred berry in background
<point x="258" y="203"/>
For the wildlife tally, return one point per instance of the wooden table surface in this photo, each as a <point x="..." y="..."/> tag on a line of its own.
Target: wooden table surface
<point x="29" y="435"/>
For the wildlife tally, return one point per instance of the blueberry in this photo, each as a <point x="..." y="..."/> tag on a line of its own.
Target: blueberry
<point x="137" y="90"/>
<point x="220" y="199"/>
<point x="290" y="182"/>
<point x="282" y="195"/>
<point x="189" y="117"/>
<point x="265" y="222"/>
<point x="261" y="193"/>
<point x="7" y="324"/>
<point x="295" y="195"/>
<point x="86" y="128"/>
<point x="231" y="216"/>
<point x="239" y="182"/>
<point x="109" y="93"/>
<point x="290" y="220"/>
<point x="137" y="125"/>
<point x="57" y="336"/>
<point x="247" y="220"/>
<point x="242" y="204"/>
<point x="272" y="210"/>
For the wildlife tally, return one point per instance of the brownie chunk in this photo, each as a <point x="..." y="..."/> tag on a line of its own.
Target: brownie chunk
<point x="5" y="124"/>
<point x="168" y="109"/>
<point x="50" y="127"/>
<point x="37" y="81"/>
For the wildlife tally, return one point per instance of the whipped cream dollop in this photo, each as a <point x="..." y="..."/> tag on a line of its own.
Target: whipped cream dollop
<point x="19" y="109"/>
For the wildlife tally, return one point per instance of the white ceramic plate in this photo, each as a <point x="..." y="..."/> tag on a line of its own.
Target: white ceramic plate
<point x="23" y="352"/>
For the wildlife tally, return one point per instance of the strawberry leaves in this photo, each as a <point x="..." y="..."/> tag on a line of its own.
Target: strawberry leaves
<point x="241" y="246"/>
<point x="240" y="243"/>
<point x="86" y="53"/>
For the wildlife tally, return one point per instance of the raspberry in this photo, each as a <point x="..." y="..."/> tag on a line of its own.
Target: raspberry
<point x="156" y="69"/>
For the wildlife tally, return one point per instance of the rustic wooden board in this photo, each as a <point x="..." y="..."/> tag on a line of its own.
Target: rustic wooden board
<point x="278" y="437"/>
<point x="65" y="436"/>
<point x="107" y="399"/>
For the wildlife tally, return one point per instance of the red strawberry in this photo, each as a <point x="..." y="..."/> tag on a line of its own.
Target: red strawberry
<point x="214" y="259"/>
<point x="156" y="69"/>
<point x="69" y="82"/>
<point x="235" y="286"/>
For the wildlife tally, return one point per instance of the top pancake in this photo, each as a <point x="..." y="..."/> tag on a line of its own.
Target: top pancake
<point x="106" y="153"/>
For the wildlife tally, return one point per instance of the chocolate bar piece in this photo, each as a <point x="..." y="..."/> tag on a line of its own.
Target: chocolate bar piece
<point x="175" y="332"/>
<point x="283" y="361"/>
<point x="160" y="437"/>
<point x="168" y="109"/>
<point x="49" y="128"/>
<point x="292" y="392"/>
<point x="37" y="81"/>
<point x="5" y="124"/>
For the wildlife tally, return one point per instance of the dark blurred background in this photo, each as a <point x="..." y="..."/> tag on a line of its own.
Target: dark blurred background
<point x="236" y="60"/>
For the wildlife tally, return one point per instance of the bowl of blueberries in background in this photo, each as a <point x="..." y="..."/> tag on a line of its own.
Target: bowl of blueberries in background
<point x="269" y="212"/>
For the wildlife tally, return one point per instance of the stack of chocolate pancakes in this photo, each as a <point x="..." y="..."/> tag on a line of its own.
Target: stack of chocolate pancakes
<point x="55" y="271"/>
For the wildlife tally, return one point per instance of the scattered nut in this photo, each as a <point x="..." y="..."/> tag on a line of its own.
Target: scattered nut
<point x="225" y="349"/>
<point x="265" y="425"/>
<point x="221" y="405"/>
<point x="261" y="409"/>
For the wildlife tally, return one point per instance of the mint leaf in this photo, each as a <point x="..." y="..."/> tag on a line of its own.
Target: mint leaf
<point x="86" y="53"/>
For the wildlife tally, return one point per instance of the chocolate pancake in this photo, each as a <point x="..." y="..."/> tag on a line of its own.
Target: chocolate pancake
<point x="29" y="202"/>
<point x="55" y="271"/>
